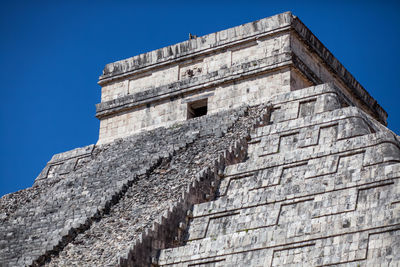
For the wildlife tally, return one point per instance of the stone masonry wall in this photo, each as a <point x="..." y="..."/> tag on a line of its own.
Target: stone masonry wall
<point x="314" y="183"/>
<point x="255" y="50"/>
<point x="71" y="200"/>
<point x="115" y="233"/>
<point x="284" y="170"/>
<point x="320" y="187"/>
<point x="169" y="111"/>
<point x="266" y="57"/>
<point x="81" y="190"/>
<point x="201" y="45"/>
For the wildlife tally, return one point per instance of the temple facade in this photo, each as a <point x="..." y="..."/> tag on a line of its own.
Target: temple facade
<point x="252" y="146"/>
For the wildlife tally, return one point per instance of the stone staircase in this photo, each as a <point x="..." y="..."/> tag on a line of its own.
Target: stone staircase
<point x="320" y="186"/>
<point x="85" y="193"/>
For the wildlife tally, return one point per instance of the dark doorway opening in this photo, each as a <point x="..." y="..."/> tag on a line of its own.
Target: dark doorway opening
<point x="197" y="108"/>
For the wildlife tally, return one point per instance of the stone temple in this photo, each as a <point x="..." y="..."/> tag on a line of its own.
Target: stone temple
<point x="251" y="146"/>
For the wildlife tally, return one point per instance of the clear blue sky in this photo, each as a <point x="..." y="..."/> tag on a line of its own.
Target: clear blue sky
<point x="52" y="53"/>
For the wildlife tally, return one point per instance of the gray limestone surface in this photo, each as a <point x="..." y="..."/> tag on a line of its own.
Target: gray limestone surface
<point x="111" y="236"/>
<point x="278" y="173"/>
<point x="307" y="180"/>
<point x="320" y="187"/>
<point x="113" y="178"/>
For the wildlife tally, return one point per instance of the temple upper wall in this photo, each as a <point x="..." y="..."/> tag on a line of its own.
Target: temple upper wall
<point x="244" y="65"/>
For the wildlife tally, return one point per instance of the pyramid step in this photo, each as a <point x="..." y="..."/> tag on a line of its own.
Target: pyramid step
<point x="319" y="131"/>
<point x="293" y="186"/>
<point x="296" y="223"/>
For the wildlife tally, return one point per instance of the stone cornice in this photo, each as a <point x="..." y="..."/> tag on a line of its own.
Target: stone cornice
<point x="210" y="80"/>
<point x="196" y="47"/>
<point x="224" y="40"/>
<point x="203" y="82"/>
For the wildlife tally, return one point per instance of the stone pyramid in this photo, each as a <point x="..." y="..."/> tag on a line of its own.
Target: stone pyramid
<point x="251" y="146"/>
<point x="318" y="187"/>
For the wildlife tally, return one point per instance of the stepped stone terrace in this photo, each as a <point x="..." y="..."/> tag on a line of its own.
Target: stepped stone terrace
<point x="251" y="146"/>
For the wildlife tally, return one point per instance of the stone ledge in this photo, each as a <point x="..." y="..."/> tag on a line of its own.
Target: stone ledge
<point x="60" y="158"/>
<point x="77" y="152"/>
<point x="175" y="89"/>
<point x="327" y="118"/>
<point x="204" y="44"/>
